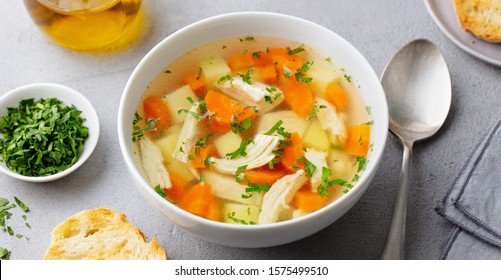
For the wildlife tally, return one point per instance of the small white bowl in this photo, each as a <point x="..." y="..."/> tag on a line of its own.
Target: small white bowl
<point x="255" y="24"/>
<point x="69" y="97"/>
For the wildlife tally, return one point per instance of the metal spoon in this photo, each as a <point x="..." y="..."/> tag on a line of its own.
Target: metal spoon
<point x="418" y="89"/>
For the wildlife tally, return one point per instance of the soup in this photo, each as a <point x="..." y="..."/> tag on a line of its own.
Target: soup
<point x="252" y="130"/>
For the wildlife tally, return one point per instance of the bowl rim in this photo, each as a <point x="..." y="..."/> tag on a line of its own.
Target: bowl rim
<point x="376" y="155"/>
<point x="82" y="104"/>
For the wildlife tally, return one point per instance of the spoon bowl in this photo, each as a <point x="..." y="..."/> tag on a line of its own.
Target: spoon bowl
<point x="417" y="85"/>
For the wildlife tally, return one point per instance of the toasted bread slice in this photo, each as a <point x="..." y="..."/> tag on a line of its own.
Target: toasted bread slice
<point x="101" y="234"/>
<point x="482" y="18"/>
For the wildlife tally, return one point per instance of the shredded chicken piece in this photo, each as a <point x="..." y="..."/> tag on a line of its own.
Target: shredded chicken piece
<point x="258" y="153"/>
<point x="278" y="198"/>
<point x="330" y="121"/>
<point x="264" y="97"/>
<point x="153" y="166"/>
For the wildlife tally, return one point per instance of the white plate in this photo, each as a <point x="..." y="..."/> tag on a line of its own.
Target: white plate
<point x="442" y="12"/>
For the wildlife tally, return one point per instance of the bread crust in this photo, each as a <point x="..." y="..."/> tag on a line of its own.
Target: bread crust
<point x="482" y="18"/>
<point x="101" y="234"/>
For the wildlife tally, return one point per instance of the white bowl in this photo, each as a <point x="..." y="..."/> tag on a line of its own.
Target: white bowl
<point x="255" y="24"/>
<point x="69" y="97"/>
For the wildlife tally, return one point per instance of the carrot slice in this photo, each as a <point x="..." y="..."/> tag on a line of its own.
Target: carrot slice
<point x="242" y="61"/>
<point x="197" y="83"/>
<point x="264" y="175"/>
<point x="336" y="96"/>
<point x="292" y="154"/>
<point x="357" y="140"/>
<point x="178" y="188"/>
<point x="308" y="201"/>
<point x="199" y="154"/>
<point x="298" y="96"/>
<point x="281" y="58"/>
<point x="156" y="108"/>
<point x="226" y="111"/>
<point x="199" y="200"/>
<point x="269" y="74"/>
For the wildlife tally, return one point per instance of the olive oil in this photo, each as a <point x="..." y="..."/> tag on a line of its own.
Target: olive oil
<point x="87" y="24"/>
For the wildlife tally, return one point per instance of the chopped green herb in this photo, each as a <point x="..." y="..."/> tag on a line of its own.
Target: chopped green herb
<point x="232" y="217"/>
<point x="240" y="127"/>
<point x="301" y="73"/>
<point x="167" y="72"/>
<point x="362" y="163"/>
<point x="273" y="163"/>
<point x="10" y="231"/>
<point x="203" y="141"/>
<point x="194" y="114"/>
<point x="287" y="72"/>
<point x="42" y="137"/>
<point x="284" y="143"/>
<point x="191" y="157"/>
<point x="241" y="169"/>
<point x="277" y="128"/>
<point x="225" y="78"/>
<point x="21" y="205"/>
<point x="356" y="177"/>
<point x="309" y="167"/>
<point x="224" y="47"/>
<point x="181" y="149"/>
<point x="256" y="55"/>
<point x="370" y="122"/>
<point x="328" y="59"/>
<point x="3" y="201"/>
<point x="160" y="191"/>
<point x="28" y="225"/>
<point x="252" y="187"/>
<point x="4" y="254"/>
<point x="296" y="50"/>
<point x="19" y="235"/>
<point x="247" y="76"/>
<point x="246" y="196"/>
<point x="208" y="161"/>
<point x="268" y="99"/>
<point x="200" y="71"/>
<point x="241" y="149"/>
<point x="202" y="179"/>
<point x="314" y="111"/>
<point x="368" y="109"/>
<point x="247" y="38"/>
<point x="245" y="51"/>
<point x="347" y="78"/>
<point x="138" y="132"/>
<point x="24" y="217"/>
<point x="253" y="108"/>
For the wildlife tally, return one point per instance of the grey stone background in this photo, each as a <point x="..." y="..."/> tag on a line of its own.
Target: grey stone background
<point x="376" y="28"/>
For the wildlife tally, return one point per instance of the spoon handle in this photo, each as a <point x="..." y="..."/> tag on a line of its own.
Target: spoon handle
<point x="394" y="248"/>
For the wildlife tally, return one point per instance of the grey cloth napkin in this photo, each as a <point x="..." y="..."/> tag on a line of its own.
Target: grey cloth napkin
<point x="473" y="203"/>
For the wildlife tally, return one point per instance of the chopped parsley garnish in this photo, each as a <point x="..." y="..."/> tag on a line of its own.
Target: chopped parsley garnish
<point x="240" y="127"/>
<point x="274" y="95"/>
<point x="241" y="149"/>
<point x="273" y="163"/>
<point x="42" y="137"/>
<point x="199" y="74"/>
<point x="369" y="122"/>
<point x="309" y="167"/>
<point x="203" y="141"/>
<point x="21" y="204"/>
<point x="326" y="184"/>
<point x="160" y="191"/>
<point x="225" y="78"/>
<point x="368" y="109"/>
<point x="232" y="217"/>
<point x="28" y="225"/>
<point x="247" y="38"/>
<point x="301" y="73"/>
<point x="362" y="163"/>
<point x="202" y="107"/>
<point x="328" y="59"/>
<point x="247" y="76"/>
<point x="202" y="179"/>
<point x="277" y="128"/>
<point x="241" y="169"/>
<point x="314" y="111"/>
<point x="4" y="254"/>
<point x="208" y="161"/>
<point x="246" y="196"/>
<point x="347" y="78"/>
<point x="252" y="187"/>
<point x="224" y="47"/>
<point x="167" y="72"/>
<point x="256" y="55"/>
<point x="137" y="131"/>
<point x="287" y="72"/>
<point x="295" y="51"/>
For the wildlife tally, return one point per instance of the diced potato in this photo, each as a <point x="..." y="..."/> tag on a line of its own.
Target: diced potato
<point x="181" y="170"/>
<point x="323" y="73"/>
<point x="291" y="122"/>
<point x="343" y="166"/>
<point x="234" y="213"/>
<point x="178" y="99"/>
<point x="227" y="143"/>
<point x="214" y="68"/>
<point x="167" y="143"/>
<point x="316" y="137"/>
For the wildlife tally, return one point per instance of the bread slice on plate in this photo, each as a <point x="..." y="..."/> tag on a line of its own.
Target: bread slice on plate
<point x="482" y="18"/>
<point x="101" y="234"/>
